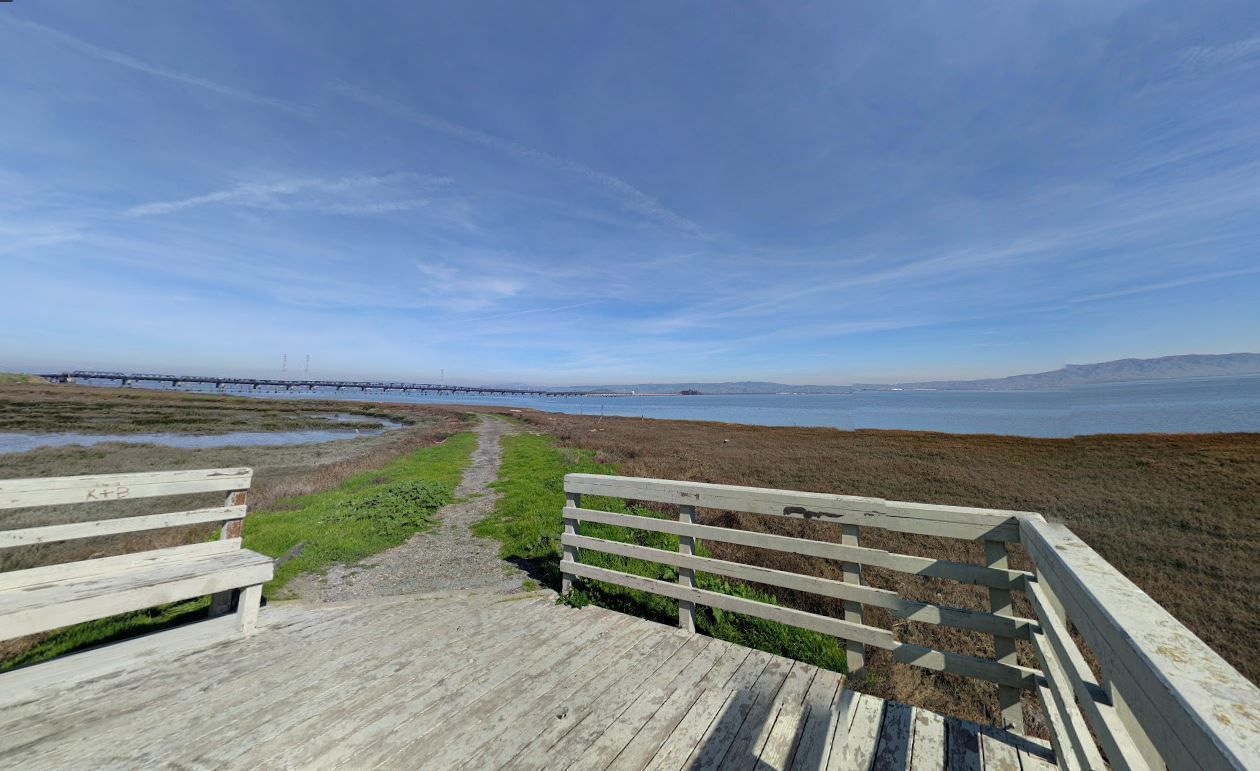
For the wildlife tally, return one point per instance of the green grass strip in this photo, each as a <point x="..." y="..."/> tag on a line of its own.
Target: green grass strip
<point x="527" y="522"/>
<point x="366" y="514"/>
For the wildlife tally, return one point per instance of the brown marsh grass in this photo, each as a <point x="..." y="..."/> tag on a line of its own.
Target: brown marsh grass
<point x="46" y="407"/>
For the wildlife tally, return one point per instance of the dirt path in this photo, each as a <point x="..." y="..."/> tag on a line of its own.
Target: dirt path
<point x="446" y="558"/>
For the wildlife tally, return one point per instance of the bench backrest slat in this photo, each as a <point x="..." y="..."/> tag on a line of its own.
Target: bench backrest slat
<point x="70" y="532"/>
<point x="55" y="491"/>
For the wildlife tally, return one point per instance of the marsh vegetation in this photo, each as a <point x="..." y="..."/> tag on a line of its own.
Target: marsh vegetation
<point x="40" y="407"/>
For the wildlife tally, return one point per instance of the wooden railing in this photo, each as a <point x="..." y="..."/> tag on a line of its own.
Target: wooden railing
<point x="1165" y="697"/>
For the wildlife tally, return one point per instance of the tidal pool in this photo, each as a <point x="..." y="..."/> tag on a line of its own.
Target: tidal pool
<point x="16" y="442"/>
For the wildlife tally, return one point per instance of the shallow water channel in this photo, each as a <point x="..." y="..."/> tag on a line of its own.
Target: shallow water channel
<point x="346" y="429"/>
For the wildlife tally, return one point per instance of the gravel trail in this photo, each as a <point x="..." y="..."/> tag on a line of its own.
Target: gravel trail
<point x="447" y="557"/>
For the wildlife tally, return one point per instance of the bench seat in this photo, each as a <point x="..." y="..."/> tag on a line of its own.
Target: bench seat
<point x="45" y="598"/>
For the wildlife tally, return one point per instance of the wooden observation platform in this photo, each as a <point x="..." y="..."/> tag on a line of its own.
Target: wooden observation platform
<point x="480" y="680"/>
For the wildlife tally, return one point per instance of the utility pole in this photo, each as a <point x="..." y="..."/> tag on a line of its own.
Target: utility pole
<point x="306" y="371"/>
<point x="284" y="364"/>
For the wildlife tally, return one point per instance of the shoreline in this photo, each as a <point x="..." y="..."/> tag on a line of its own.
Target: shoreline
<point x="1194" y="406"/>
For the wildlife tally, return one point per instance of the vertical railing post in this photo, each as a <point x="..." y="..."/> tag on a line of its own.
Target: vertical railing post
<point x="855" y="652"/>
<point x="1132" y="725"/>
<point x="686" y="576"/>
<point x="1004" y="649"/>
<point x="234" y="528"/>
<point x="571" y="500"/>
<point x="221" y="602"/>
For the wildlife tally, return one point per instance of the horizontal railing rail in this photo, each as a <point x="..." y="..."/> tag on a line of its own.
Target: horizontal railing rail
<point x="904" y="563"/>
<point x="924" y="519"/>
<point x="1164" y="698"/>
<point x="908" y="610"/>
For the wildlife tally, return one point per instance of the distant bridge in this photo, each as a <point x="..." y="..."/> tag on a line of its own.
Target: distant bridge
<point x="249" y="383"/>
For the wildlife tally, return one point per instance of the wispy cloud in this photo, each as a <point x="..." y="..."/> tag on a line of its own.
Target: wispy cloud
<point x="531" y="311"/>
<point x="326" y="195"/>
<point x="1156" y="286"/>
<point x="16" y="239"/>
<point x="299" y="273"/>
<point x="132" y="63"/>
<point x="630" y="196"/>
<point x="773" y="298"/>
<point x="1203" y="57"/>
<point x="380" y="207"/>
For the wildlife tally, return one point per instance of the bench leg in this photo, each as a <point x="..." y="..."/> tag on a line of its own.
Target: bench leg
<point x="247" y="608"/>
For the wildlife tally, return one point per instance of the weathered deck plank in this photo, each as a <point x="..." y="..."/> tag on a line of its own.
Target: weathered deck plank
<point x="896" y="730"/>
<point x="642" y="711"/>
<point x="755" y="731"/>
<point x="997" y="755"/>
<point x="746" y="705"/>
<point x="825" y="710"/>
<point x="468" y="681"/>
<point x="927" y="749"/>
<point x="588" y="712"/>
<point x="508" y="731"/>
<point x="495" y="714"/>
<point x="687" y="735"/>
<point x="855" y="746"/>
<point x="648" y="740"/>
<point x="612" y="711"/>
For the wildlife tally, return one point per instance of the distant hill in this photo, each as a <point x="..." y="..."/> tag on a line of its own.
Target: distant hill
<point x="1119" y="371"/>
<point x="1122" y="370"/>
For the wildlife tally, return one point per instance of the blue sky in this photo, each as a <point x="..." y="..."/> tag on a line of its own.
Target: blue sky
<point x="598" y="192"/>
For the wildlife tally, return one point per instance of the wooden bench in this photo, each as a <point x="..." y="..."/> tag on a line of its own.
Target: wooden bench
<point x="44" y="598"/>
